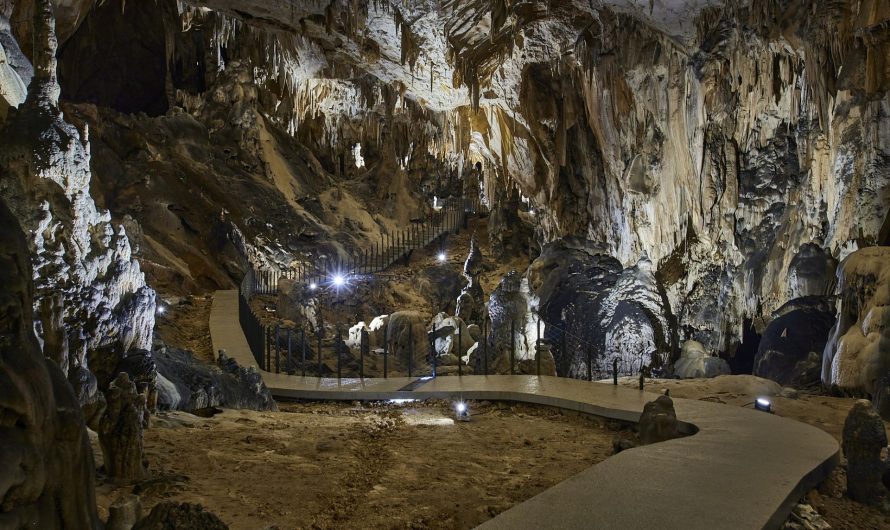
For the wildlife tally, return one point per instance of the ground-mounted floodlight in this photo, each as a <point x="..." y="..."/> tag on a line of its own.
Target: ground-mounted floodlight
<point x="339" y="280"/>
<point x="160" y="310"/>
<point x="441" y="257"/>
<point x="313" y="286"/>
<point x="462" y="411"/>
<point x="763" y="404"/>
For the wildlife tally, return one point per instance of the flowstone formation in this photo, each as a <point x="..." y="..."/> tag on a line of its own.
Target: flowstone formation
<point x="864" y="438"/>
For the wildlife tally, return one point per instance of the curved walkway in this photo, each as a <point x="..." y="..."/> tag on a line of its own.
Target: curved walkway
<point x="742" y="469"/>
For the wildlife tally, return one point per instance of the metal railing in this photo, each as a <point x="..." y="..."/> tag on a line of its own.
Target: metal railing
<point x="451" y="217"/>
<point x="291" y="350"/>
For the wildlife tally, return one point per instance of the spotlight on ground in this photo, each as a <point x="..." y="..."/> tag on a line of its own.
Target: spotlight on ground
<point x="763" y="404"/>
<point x="161" y="309"/>
<point x="462" y="412"/>
<point x="441" y="257"/>
<point x="313" y="286"/>
<point x="339" y="280"/>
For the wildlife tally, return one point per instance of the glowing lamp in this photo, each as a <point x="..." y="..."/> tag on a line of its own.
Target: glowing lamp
<point x="313" y="286"/>
<point x="161" y="310"/>
<point x="462" y="412"/>
<point x="763" y="404"/>
<point x="441" y="257"/>
<point x="339" y="280"/>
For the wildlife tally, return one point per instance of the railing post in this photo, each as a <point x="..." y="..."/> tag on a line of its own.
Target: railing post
<point x="318" y="334"/>
<point x="337" y="346"/>
<point x="485" y="346"/>
<point x="385" y="351"/>
<point x="512" y="345"/>
<point x="363" y="345"/>
<point x="432" y="345"/>
<point x="460" y="343"/>
<point x="277" y="349"/>
<point x="589" y="365"/>
<point x="303" y="353"/>
<point x="410" y="346"/>
<point x="615" y="371"/>
<point x="290" y="360"/>
<point x="538" y="348"/>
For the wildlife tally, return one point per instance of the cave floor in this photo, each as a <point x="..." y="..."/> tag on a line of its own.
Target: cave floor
<point x="372" y="465"/>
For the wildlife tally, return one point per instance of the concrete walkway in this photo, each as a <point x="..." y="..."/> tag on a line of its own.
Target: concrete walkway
<point x="742" y="469"/>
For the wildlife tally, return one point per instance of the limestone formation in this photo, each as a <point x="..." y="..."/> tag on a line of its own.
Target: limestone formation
<point x="864" y="438"/>
<point x="42" y="434"/>
<point x="89" y="291"/>
<point x="695" y="362"/>
<point x="406" y="332"/>
<point x="658" y="423"/>
<point x="120" y="431"/>
<point x="507" y="308"/>
<point x="857" y="354"/>
<point x="470" y="303"/>
<point x="187" y="384"/>
<point x="790" y="350"/>
<point x="604" y="310"/>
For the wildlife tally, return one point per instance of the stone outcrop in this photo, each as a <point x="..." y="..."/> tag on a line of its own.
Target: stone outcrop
<point x="120" y="431"/>
<point x="48" y="477"/>
<point x="406" y="332"/>
<point x="857" y="354"/>
<point x="180" y="516"/>
<point x="695" y="362"/>
<point x="187" y="384"/>
<point x="471" y="302"/>
<point x="658" y="423"/>
<point x="790" y="350"/>
<point x="863" y="439"/>
<point x="604" y="309"/>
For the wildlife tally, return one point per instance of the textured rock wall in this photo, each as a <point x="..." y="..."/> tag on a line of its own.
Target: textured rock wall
<point x="45" y="458"/>
<point x="90" y="295"/>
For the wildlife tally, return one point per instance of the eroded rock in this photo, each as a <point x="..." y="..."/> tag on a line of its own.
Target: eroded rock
<point x="863" y="439"/>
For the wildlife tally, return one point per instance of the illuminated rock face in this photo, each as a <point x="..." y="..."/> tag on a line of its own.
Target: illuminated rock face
<point x="90" y="296"/>
<point x="857" y="356"/>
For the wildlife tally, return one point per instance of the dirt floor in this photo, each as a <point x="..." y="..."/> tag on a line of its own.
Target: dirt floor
<point x="185" y="323"/>
<point x="351" y="465"/>
<point x="825" y="412"/>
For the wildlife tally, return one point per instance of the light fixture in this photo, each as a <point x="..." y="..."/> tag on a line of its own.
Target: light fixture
<point x="441" y="257"/>
<point x="462" y="411"/>
<point x="339" y="280"/>
<point x="531" y="211"/>
<point x="313" y="286"/>
<point x="161" y="309"/>
<point x="763" y="404"/>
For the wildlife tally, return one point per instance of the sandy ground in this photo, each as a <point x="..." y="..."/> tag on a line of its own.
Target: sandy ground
<point x="185" y="324"/>
<point x="825" y="412"/>
<point x="332" y="465"/>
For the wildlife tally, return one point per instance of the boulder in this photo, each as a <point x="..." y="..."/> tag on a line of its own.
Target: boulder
<point x="124" y="513"/>
<point x="695" y="363"/>
<point x="658" y="423"/>
<point x="451" y="336"/>
<point x="790" y="350"/>
<point x="406" y="332"/>
<point x="184" y="383"/>
<point x="864" y="437"/>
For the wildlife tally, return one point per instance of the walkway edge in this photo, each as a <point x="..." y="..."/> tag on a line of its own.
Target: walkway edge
<point x="743" y="469"/>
